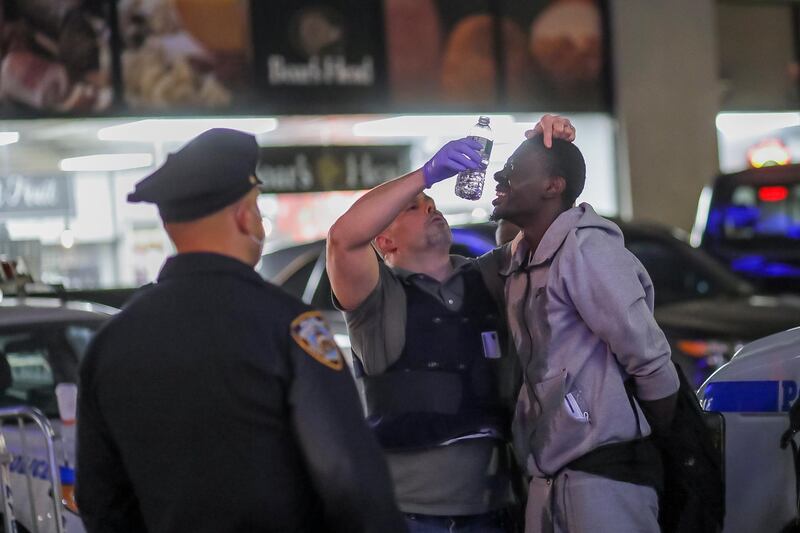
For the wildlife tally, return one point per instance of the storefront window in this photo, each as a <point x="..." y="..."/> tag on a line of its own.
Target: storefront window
<point x="70" y="220"/>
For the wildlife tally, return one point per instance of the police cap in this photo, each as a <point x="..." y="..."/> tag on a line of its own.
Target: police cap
<point x="213" y="170"/>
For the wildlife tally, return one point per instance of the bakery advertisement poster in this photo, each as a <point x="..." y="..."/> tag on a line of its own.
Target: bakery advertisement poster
<point x="501" y="54"/>
<point x="216" y="57"/>
<point x="55" y="58"/>
<point x="323" y="57"/>
<point x="185" y="55"/>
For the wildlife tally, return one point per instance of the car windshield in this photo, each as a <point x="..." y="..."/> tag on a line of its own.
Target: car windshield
<point x="34" y="359"/>
<point x="754" y="226"/>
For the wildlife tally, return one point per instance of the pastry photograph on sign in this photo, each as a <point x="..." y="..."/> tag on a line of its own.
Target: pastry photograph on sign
<point x="55" y="57"/>
<point x="539" y="53"/>
<point x="191" y="54"/>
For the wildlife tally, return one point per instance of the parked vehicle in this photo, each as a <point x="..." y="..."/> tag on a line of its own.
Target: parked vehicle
<point x="750" y="220"/>
<point x="42" y="340"/>
<point x="756" y="393"/>
<point x="706" y="311"/>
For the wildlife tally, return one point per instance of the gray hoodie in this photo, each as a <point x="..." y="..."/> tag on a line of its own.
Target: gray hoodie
<point x="580" y="311"/>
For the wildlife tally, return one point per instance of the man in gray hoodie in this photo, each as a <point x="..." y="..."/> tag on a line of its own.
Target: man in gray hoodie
<point x="580" y="310"/>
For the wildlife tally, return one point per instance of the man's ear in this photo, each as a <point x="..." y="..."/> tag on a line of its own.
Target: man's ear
<point x="384" y="244"/>
<point x="241" y="216"/>
<point x="555" y="187"/>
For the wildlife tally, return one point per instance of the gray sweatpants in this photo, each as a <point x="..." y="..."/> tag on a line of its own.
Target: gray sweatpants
<point x="577" y="502"/>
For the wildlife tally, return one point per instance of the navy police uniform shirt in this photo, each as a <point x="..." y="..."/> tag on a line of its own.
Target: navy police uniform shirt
<point x="215" y="402"/>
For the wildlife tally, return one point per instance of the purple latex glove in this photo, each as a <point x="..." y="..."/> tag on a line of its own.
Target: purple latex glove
<point x="451" y="159"/>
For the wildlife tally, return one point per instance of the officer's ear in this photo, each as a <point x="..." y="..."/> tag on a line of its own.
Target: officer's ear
<point x="244" y="216"/>
<point x="384" y="244"/>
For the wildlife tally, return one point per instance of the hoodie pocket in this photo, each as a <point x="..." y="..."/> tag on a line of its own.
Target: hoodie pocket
<point x="553" y="390"/>
<point x="550" y="393"/>
<point x="563" y="423"/>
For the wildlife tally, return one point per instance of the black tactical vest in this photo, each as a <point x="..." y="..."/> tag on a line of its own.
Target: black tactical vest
<point x="444" y="385"/>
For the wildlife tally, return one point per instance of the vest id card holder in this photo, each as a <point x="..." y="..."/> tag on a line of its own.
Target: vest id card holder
<point x="491" y="345"/>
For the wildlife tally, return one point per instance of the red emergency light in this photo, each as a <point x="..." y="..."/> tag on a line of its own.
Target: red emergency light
<point x="775" y="193"/>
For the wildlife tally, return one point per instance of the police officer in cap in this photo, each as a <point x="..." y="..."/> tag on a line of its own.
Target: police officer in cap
<point x="214" y="401"/>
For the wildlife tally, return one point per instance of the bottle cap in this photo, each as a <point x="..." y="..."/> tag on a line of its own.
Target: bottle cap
<point x="67" y="475"/>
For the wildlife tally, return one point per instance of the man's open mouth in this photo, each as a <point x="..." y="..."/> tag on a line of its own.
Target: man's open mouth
<point x="499" y="198"/>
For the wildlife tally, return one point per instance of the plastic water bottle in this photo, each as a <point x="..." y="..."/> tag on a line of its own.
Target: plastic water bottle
<point x="469" y="184"/>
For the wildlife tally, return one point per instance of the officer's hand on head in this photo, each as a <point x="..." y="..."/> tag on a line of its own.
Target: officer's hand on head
<point x="552" y="126"/>
<point x="451" y="159"/>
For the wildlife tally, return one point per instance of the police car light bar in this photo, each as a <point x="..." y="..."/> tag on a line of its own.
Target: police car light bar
<point x="777" y="193"/>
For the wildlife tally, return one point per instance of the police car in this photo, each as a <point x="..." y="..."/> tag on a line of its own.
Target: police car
<point x="750" y="220"/>
<point x="757" y="392"/>
<point x="42" y="340"/>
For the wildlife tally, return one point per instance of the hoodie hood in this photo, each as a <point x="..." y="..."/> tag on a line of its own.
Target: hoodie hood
<point x="571" y="220"/>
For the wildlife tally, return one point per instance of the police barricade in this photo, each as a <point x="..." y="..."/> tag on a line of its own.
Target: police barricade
<point x="31" y="423"/>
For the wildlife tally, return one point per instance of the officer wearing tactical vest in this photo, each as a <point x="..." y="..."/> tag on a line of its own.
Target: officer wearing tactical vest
<point x="215" y="402"/>
<point x="428" y="340"/>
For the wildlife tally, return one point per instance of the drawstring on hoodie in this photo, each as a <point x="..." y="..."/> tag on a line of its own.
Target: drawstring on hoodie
<point x="525" y="319"/>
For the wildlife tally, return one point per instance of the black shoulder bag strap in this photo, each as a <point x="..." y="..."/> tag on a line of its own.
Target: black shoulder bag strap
<point x="786" y="439"/>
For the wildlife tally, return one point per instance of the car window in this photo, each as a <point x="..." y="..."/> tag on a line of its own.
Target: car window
<point x="472" y="241"/>
<point x="322" y="295"/>
<point x="296" y="283"/>
<point x="465" y="251"/>
<point x="675" y="278"/>
<point x="763" y="211"/>
<point x="33" y="361"/>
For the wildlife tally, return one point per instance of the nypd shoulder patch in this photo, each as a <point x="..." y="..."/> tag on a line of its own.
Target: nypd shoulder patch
<point x="311" y="332"/>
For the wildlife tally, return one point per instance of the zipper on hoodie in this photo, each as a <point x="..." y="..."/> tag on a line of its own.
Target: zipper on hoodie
<point x="525" y="322"/>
